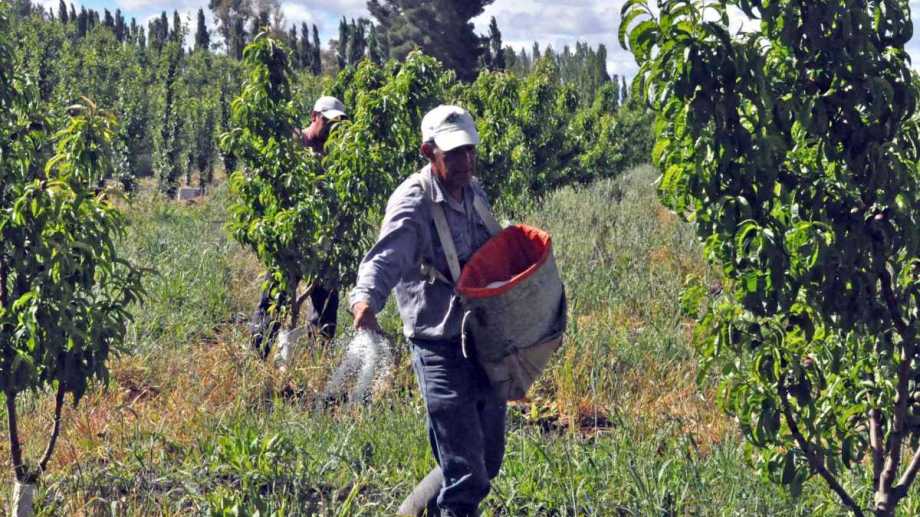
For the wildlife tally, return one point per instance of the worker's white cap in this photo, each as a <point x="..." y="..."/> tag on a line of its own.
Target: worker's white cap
<point x="449" y="127"/>
<point x="330" y="107"/>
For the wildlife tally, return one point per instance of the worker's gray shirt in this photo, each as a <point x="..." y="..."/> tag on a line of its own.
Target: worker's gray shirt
<point x="407" y="239"/>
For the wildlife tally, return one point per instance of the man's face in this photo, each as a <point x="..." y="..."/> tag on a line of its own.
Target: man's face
<point x="455" y="167"/>
<point x="320" y="126"/>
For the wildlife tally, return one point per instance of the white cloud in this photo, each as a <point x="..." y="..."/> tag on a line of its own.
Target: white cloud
<point x="295" y="14"/>
<point x="143" y="6"/>
<point x="46" y="4"/>
<point x="558" y="23"/>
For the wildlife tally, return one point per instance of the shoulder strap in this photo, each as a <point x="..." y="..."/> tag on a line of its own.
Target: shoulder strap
<point x="447" y="240"/>
<point x="486" y="215"/>
<point x="440" y="224"/>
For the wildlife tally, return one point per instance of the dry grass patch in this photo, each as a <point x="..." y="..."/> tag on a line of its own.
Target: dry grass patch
<point x="594" y="383"/>
<point x="176" y="398"/>
<point x="662" y="394"/>
<point x="664" y="216"/>
<point x="246" y="279"/>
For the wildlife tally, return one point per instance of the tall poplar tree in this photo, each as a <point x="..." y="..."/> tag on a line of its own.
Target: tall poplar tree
<point x="82" y="23"/>
<point x="511" y="61"/>
<point x="526" y="62"/>
<point x="317" y="62"/>
<point x="237" y="38"/>
<point x="232" y="16"/>
<point x="495" y="46"/>
<point x="306" y="50"/>
<point x="120" y="27"/>
<point x="341" y="48"/>
<point x="441" y="28"/>
<point x="162" y="30"/>
<point x="178" y="32"/>
<point x="375" y="50"/>
<point x="357" y="43"/>
<point x="202" y="35"/>
<point x="624" y="91"/>
<point x="294" y="45"/>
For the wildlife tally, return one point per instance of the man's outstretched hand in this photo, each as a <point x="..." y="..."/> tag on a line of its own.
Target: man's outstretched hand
<point x="365" y="319"/>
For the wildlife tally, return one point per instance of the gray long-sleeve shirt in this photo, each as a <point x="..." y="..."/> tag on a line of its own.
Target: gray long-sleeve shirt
<point x="407" y="239"/>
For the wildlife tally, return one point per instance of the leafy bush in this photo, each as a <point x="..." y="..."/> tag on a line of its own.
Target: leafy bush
<point x="64" y="287"/>
<point x="792" y="147"/>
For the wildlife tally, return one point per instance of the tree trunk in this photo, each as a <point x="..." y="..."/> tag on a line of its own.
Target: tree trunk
<point x="15" y="449"/>
<point x="889" y="492"/>
<point x="23" y="494"/>
<point x="815" y="459"/>
<point x="297" y="303"/>
<point x="287" y="338"/>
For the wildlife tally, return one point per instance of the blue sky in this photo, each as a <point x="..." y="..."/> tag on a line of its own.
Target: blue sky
<point x="549" y="22"/>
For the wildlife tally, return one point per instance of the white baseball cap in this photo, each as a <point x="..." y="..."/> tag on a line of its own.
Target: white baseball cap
<point x="330" y="107"/>
<point x="449" y="127"/>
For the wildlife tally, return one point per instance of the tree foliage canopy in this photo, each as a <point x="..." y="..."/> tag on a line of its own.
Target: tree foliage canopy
<point x="793" y="148"/>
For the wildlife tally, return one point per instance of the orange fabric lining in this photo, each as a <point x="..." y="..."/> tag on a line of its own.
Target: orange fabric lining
<point x="515" y="253"/>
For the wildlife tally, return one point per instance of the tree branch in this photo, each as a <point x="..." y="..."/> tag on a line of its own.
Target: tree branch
<point x="55" y="430"/>
<point x="4" y="278"/>
<point x="297" y="302"/>
<point x="892" y="302"/>
<point x="814" y="460"/>
<point x="875" y="442"/>
<point x="907" y="478"/>
<point x="302" y="298"/>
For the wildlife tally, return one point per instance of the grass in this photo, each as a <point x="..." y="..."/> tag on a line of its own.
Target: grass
<point x="193" y="423"/>
<point x="200" y="277"/>
<point x="623" y="259"/>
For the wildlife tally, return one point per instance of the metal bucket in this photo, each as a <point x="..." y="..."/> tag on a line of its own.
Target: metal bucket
<point x="514" y="307"/>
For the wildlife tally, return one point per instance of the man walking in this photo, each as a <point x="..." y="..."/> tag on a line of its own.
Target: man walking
<point x="324" y="300"/>
<point x="466" y="418"/>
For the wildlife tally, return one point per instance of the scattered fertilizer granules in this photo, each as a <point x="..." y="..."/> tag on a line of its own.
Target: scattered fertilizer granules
<point x="368" y="362"/>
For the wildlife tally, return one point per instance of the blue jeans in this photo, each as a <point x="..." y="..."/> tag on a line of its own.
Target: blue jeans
<point x="466" y="422"/>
